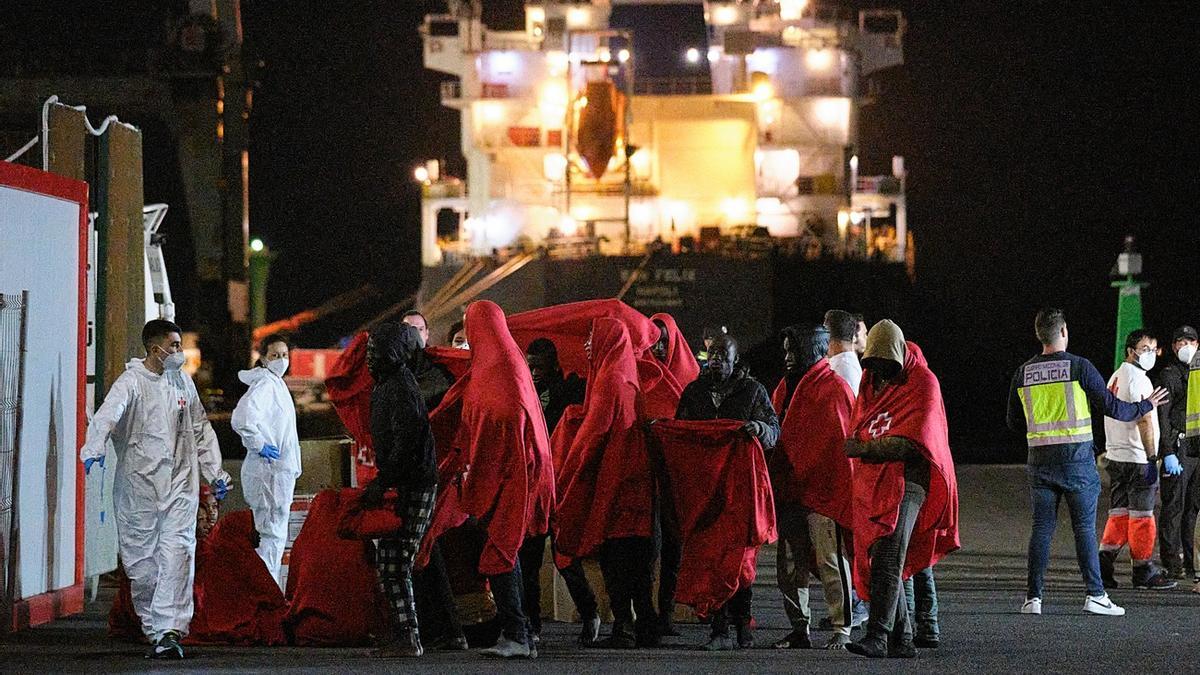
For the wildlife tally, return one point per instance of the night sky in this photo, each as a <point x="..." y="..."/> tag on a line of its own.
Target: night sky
<point x="1036" y="135"/>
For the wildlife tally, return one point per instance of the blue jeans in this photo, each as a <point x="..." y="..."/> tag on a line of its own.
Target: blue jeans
<point x="1079" y="483"/>
<point x="921" y="592"/>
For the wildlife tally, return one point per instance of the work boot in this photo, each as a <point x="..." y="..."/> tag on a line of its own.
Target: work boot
<point x="666" y="624"/>
<point x="870" y="647"/>
<point x="797" y="639"/>
<point x="647" y="634"/>
<point x="1173" y="565"/>
<point x="1107" y="561"/>
<point x="1150" y="577"/>
<point x="167" y="647"/>
<point x="507" y="649"/>
<point x="589" y="634"/>
<point x="622" y="637"/>
<point x="927" y="642"/>
<point x="406" y="644"/>
<point x="745" y="635"/>
<point x="902" y="650"/>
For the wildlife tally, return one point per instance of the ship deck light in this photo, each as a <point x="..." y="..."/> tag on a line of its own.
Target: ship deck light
<point x="692" y="55"/>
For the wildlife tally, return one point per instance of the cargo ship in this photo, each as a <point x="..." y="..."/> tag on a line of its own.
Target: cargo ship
<point x="697" y="158"/>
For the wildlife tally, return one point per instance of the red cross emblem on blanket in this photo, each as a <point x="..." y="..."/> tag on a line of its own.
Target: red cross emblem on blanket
<point x="880" y="425"/>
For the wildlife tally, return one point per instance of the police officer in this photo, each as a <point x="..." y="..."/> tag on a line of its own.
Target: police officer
<point x="1180" y="479"/>
<point x="1051" y="401"/>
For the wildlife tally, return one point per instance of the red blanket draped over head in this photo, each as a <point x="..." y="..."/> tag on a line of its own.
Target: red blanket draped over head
<point x="498" y="467"/>
<point x="237" y="600"/>
<point x="721" y="494"/>
<point x="809" y="466"/>
<point x="911" y="410"/>
<point x="331" y="585"/>
<point x="603" y="478"/>
<point x="568" y="326"/>
<point x="349" y="386"/>
<point x="681" y="362"/>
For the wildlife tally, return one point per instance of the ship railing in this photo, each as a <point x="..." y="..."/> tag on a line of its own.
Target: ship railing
<point x="672" y="86"/>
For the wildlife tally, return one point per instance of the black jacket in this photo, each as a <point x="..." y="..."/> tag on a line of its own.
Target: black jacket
<point x="404" y="452"/>
<point x="1173" y="376"/>
<point x="562" y="393"/>
<point x="433" y="379"/>
<point x="742" y="397"/>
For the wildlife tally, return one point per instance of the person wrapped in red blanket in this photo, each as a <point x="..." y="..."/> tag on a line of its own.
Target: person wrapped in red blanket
<point x="672" y="351"/>
<point x="905" y="491"/>
<point x="237" y="600"/>
<point x="721" y="495"/>
<point x="604" y="486"/>
<point x="811" y="476"/>
<point x="742" y="488"/>
<point x="498" y="469"/>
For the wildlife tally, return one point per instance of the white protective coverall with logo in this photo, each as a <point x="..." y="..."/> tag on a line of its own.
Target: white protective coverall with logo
<point x="163" y="441"/>
<point x="266" y="415"/>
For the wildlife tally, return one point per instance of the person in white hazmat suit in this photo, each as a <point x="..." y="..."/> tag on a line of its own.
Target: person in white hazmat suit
<point x="265" y="418"/>
<point x="163" y="442"/>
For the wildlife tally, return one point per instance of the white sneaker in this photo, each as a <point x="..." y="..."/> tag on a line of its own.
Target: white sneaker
<point x="1032" y="606"/>
<point x="1102" y="605"/>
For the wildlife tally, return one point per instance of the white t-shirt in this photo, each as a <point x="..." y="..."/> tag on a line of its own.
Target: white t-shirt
<point x="1123" y="442"/>
<point x="846" y="364"/>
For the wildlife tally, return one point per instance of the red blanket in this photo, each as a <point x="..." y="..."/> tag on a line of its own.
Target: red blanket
<point x="681" y="362"/>
<point x="603" y="477"/>
<point x="659" y="388"/>
<point x="912" y="409"/>
<point x="567" y="326"/>
<point x="331" y="585"/>
<point x="349" y="386"/>
<point x="809" y="465"/>
<point x="719" y="488"/>
<point x="237" y="601"/>
<point x="498" y="467"/>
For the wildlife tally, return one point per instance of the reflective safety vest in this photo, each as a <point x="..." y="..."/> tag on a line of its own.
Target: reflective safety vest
<point x="1056" y="407"/>
<point x="1191" y="423"/>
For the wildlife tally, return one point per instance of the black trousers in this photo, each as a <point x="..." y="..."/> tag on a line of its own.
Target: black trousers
<point x="735" y="612"/>
<point x="889" y="620"/>
<point x="628" y="568"/>
<point x="436" y="608"/>
<point x="1180" y="503"/>
<point x="532" y="554"/>
<point x="507" y="590"/>
<point x="670" y="553"/>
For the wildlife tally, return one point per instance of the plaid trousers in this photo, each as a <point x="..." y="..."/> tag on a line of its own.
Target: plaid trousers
<point x="394" y="555"/>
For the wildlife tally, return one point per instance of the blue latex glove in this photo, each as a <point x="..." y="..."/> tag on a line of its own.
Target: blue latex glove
<point x="269" y="452"/>
<point x="1171" y="465"/>
<point x="220" y="489"/>
<point x="87" y="464"/>
<point x="1150" y="472"/>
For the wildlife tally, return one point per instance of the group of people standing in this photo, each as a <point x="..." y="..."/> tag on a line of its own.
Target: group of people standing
<point x="1052" y="400"/>
<point x="853" y="473"/>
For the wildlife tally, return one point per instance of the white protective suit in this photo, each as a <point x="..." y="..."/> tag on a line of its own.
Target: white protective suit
<point x="163" y="441"/>
<point x="266" y="415"/>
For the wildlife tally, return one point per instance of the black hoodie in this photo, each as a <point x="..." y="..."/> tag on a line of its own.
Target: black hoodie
<point x="404" y="452"/>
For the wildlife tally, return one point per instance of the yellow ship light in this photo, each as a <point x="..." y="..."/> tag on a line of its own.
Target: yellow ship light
<point x="714" y="54"/>
<point x="764" y="91"/>
<point x="641" y="215"/>
<point x="843" y="222"/>
<point x="579" y="17"/>
<point x="552" y="102"/>
<point x="623" y="55"/>
<point x="535" y="14"/>
<point x="568" y="226"/>
<point x="554" y="166"/>
<point x="692" y="55"/>
<point x="735" y="210"/>
<point x="819" y="59"/>
<point x="604" y="54"/>
<point x="639" y="161"/>
<point x="583" y="212"/>
<point x="791" y="10"/>
<point x="832" y="112"/>
<point x="490" y="111"/>
<point x="724" y="15"/>
<point x="421" y="174"/>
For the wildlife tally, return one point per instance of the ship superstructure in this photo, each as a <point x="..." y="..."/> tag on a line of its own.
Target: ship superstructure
<point x="605" y="126"/>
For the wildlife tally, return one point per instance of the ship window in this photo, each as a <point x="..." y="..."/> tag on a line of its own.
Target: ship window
<point x="443" y="28"/>
<point x="448" y="222"/>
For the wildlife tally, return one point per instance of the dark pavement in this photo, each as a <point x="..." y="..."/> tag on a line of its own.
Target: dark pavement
<point x="980" y="592"/>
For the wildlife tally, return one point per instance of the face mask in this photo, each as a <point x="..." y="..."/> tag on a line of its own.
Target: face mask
<point x="278" y="366"/>
<point x="1146" y="360"/>
<point x="174" y="362"/>
<point x="1186" y="353"/>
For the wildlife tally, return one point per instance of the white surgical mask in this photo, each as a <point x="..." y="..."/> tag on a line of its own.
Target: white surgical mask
<point x="1186" y="353"/>
<point x="278" y="366"/>
<point x="173" y="361"/>
<point x="1146" y="360"/>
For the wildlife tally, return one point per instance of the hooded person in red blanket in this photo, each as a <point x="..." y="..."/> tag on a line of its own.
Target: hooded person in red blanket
<point x="905" y="492"/>
<point x="723" y="392"/>
<point x="673" y="352"/>
<point x="604" y="486"/>
<point x="501" y="464"/>
<point x="811" y="479"/>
